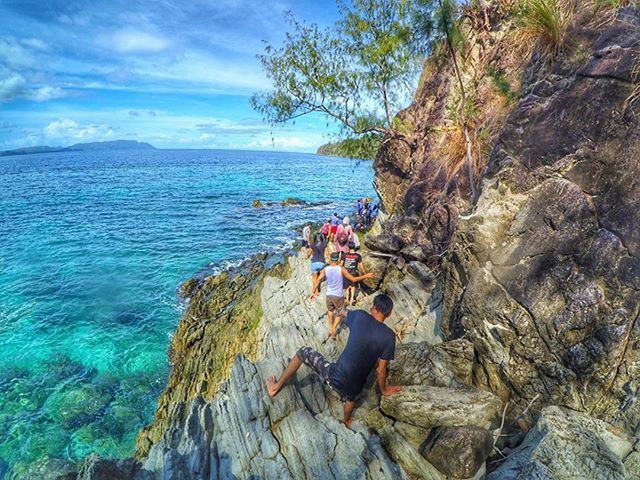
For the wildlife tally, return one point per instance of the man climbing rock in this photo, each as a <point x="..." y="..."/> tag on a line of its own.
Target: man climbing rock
<point x="335" y="275"/>
<point x="370" y="342"/>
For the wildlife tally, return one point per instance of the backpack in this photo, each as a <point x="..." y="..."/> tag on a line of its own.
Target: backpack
<point x="342" y="237"/>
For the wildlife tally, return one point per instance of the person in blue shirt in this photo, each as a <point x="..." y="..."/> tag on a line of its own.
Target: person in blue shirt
<point x="371" y="343"/>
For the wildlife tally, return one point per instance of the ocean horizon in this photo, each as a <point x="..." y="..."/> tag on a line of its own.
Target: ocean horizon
<point x="93" y="249"/>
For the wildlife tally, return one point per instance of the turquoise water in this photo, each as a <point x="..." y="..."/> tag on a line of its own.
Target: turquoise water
<point x="92" y="249"/>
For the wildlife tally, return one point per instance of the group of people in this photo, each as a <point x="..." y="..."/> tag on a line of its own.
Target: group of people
<point x="334" y="257"/>
<point x="367" y="212"/>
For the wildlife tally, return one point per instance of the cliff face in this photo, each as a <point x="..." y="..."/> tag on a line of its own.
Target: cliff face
<point x="541" y="272"/>
<point x="543" y="275"/>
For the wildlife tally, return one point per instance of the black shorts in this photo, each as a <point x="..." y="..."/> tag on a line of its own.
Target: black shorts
<point x="348" y="283"/>
<point x="316" y="362"/>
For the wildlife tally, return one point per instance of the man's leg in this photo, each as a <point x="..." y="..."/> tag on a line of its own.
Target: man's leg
<point x="274" y="385"/>
<point x="348" y="409"/>
<point x="330" y="317"/>
<point x="339" y="313"/>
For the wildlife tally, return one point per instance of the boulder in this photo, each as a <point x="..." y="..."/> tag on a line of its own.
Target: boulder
<point x="429" y="407"/>
<point x="257" y="204"/>
<point x="459" y="451"/>
<point x="447" y="364"/>
<point x="567" y="445"/>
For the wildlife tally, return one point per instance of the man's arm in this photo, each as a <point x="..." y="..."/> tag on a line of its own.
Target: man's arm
<point x="382" y="379"/>
<point x="361" y="268"/>
<point x="309" y="252"/>
<point x="359" y="278"/>
<point x="348" y="409"/>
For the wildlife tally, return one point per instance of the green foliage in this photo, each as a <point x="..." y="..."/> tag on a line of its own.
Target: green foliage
<point x="358" y="73"/>
<point x="364" y="147"/>
<point x="447" y="23"/>
<point x="500" y="83"/>
<point x="545" y="20"/>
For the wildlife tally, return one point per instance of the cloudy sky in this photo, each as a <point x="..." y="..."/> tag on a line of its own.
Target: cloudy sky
<point x="175" y="73"/>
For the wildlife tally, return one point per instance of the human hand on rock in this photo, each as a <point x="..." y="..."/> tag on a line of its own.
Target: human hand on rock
<point x="391" y="389"/>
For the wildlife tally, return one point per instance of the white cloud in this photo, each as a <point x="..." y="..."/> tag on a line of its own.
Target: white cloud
<point x="65" y="128"/>
<point x="12" y="85"/>
<point x="34" y="43"/>
<point x="15" y="56"/>
<point x="132" y="41"/>
<point x="43" y="94"/>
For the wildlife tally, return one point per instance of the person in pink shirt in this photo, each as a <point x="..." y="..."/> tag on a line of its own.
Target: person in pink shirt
<point x="344" y="235"/>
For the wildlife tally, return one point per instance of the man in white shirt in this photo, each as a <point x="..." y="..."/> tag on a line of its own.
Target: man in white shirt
<point x="335" y="275"/>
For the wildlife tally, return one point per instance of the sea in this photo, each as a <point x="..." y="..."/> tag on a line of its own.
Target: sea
<point x="93" y="249"/>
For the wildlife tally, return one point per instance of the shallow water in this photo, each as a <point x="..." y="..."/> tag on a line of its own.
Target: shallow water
<point x="93" y="246"/>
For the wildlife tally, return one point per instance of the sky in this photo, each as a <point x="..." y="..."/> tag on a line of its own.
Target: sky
<point x="174" y="73"/>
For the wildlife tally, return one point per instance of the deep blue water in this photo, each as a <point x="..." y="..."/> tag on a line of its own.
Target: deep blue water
<point x="92" y="249"/>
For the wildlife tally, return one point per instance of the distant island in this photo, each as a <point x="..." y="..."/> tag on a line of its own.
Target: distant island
<point x="82" y="147"/>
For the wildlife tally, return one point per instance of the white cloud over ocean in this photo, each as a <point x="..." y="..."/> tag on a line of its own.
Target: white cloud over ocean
<point x="110" y="63"/>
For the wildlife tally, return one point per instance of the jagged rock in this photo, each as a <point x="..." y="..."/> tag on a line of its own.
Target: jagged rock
<point x="402" y="450"/>
<point x="446" y="364"/>
<point x="543" y="275"/>
<point x="459" y="451"/>
<point x="387" y="243"/>
<point x="567" y="445"/>
<point x="429" y="407"/>
<point x="239" y="432"/>
<point x="292" y="202"/>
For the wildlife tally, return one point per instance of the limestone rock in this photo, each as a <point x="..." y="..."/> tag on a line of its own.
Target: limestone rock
<point x="567" y="445"/>
<point x="446" y="364"/>
<point x="428" y="407"/>
<point x="240" y="433"/>
<point x="459" y="451"/>
<point x="543" y="276"/>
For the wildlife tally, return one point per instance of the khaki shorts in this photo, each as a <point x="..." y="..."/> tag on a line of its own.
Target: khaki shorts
<point x="335" y="304"/>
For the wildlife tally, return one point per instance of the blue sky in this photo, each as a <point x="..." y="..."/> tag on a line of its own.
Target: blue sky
<point x="177" y="74"/>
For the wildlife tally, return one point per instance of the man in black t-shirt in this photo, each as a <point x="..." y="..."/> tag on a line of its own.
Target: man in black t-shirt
<point x="370" y="342"/>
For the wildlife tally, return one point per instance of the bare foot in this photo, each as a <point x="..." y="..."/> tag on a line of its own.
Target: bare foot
<point x="272" y="388"/>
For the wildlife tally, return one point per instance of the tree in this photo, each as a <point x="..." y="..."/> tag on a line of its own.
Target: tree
<point x="448" y="26"/>
<point x="359" y="72"/>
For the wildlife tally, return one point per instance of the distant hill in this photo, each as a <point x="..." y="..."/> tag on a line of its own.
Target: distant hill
<point x="83" y="147"/>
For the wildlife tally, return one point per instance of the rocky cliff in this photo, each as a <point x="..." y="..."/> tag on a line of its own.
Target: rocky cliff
<point x="516" y="309"/>
<point x="540" y="271"/>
